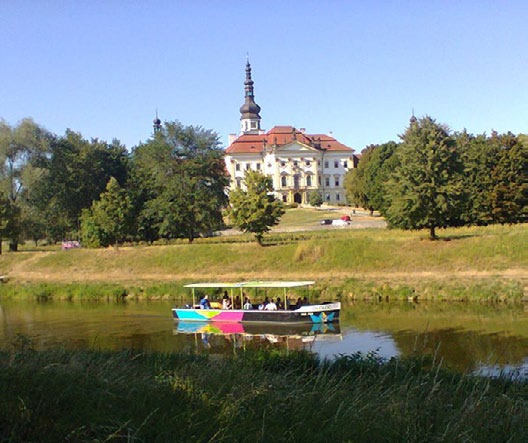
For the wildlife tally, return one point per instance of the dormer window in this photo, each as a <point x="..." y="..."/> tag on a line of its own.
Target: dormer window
<point x="283" y="164"/>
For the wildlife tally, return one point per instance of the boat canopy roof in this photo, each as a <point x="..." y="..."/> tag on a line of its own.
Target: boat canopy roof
<point x="253" y="284"/>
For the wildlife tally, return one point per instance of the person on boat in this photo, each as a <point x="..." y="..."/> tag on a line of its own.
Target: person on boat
<point x="264" y="303"/>
<point x="298" y="304"/>
<point x="238" y="302"/>
<point x="247" y="303"/>
<point x="226" y="302"/>
<point x="279" y="303"/>
<point x="305" y="301"/>
<point x="271" y="306"/>
<point x="204" y="302"/>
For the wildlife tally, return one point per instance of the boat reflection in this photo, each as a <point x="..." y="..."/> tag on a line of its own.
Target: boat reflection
<point x="258" y="335"/>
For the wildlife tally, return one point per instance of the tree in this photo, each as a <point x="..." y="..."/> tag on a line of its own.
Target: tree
<point x="108" y="221"/>
<point x="377" y="171"/>
<point x="315" y="198"/>
<point x="23" y="149"/>
<point x="355" y="181"/>
<point x="9" y="219"/>
<point x="180" y="178"/>
<point x="255" y="209"/>
<point x="509" y="196"/>
<point x="479" y="156"/>
<point x="426" y="189"/>
<point x="76" y="173"/>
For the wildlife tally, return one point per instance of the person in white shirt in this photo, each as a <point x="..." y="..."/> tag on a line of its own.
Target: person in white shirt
<point x="271" y="306"/>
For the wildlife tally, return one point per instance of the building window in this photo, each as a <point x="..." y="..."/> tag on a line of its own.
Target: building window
<point x="345" y="164"/>
<point x="327" y="197"/>
<point x="327" y="181"/>
<point x="338" y="197"/>
<point x="284" y="181"/>
<point x="326" y="164"/>
<point x="238" y="182"/>
<point x="336" y="182"/>
<point x="283" y="164"/>
<point x="248" y="166"/>
<point x="258" y="166"/>
<point x="269" y="165"/>
<point x="319" y="180"/>
<point x="284" y="198"/>
<point x="254" y="125"/>
<point x="308" y="180"/>
<point x="237" y="167"/>
<point x="308" y="163"/>
<point x="295" y="164"/>
<point x="336" y="164"/>
<point x="296" y="181"/>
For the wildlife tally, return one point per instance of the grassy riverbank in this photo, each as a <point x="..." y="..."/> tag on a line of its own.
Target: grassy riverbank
<point x="127" y="396"/>
<point x="489" y="263"/>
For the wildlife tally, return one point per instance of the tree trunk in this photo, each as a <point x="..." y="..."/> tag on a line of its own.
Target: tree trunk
<point x="432" y="234"/>
<point x="259" y="239"/>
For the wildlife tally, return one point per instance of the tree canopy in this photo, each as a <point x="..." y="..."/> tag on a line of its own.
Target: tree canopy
<point x="182" y="177"/>
<point x="255" y="209"/>
<point x="426" y="189"/>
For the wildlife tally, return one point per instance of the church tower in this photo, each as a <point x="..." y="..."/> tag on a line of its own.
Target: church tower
<point x="250" y="118"/>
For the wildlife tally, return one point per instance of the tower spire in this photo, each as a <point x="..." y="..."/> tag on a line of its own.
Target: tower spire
<point x="157" y="123"/>
<point x="250" y="117"/>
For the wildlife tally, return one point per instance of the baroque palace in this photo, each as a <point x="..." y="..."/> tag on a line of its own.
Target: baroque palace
<point x="298" y="163"/>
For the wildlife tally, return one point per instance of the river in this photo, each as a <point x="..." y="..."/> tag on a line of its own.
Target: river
<point x="466" y="337"/>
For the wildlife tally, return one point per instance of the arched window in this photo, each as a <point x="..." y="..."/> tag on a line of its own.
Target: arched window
<point x="284" y="181"/>
<point x="308" y="180"/>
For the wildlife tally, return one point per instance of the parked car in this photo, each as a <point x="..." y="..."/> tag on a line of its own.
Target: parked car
<point x="340" y="223"/>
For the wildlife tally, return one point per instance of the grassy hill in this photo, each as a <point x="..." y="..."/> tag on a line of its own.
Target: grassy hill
<point x="359" y="262"/>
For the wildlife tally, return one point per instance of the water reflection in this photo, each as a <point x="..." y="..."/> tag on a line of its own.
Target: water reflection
<point x="257" y="336"/>
<point x="465" y="337"/>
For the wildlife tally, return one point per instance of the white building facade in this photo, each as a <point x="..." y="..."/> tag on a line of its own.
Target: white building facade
<point x="298" y="163"/>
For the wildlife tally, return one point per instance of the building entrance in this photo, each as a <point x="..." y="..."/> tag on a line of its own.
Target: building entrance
<point x="297" y="197"/>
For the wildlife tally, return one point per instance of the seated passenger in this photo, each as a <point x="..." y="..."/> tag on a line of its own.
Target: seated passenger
<point x="226" y="302"/>
<point x="247" y="303"/>
<point x="271" y="306"/>
<point x="279" y="303"/>
<point x="204" y="302"/>
<point x="264" y="303"/>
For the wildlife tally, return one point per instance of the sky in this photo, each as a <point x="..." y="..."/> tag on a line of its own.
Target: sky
<point x="355" y="69"/>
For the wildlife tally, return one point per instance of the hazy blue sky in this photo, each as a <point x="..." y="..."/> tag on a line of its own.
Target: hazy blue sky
<point x="356" y="68"/>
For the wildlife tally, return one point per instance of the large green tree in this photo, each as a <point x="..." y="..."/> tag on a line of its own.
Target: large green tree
<point x="426" y="189"/>
<point x="355" y="181"/>
<point x="180" y="181"/>
<point x="509" y="196"/>
<point x="108" y="221"/>
<point x="23" y="150"/>
<point x="479" y="157"/>
<point x="76" y="173"/>
<point x="255" y="209"/>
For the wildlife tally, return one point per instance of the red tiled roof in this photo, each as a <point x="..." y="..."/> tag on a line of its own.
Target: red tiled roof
<point x="282" y="135"/>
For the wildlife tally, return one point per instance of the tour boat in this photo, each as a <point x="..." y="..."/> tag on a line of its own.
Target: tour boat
<point x="326" y="312"/>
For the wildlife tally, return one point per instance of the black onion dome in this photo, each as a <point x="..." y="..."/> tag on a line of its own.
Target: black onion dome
<point x="249" y="109"/>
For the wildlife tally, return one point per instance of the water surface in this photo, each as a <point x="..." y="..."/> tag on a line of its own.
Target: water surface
<point x="465" y="337"/>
